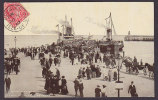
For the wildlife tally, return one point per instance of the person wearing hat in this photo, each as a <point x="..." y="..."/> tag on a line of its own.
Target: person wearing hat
<point x="97" y="91"/>
<point x="132" y="90"/>
<point x="103" y="91"/>
<point x="64" y="90"/>
<point x="57" y="88"/>
<point x="52" y="85"/>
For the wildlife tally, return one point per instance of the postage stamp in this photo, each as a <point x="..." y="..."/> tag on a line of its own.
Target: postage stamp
<point x="15" y="16"/>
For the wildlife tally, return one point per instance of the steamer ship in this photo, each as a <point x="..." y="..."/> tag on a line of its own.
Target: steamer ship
<point x="110" y="45"/>
<point x="68" y="38"/>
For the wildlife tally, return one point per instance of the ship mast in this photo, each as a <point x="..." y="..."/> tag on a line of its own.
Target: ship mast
<point x="110" y="26"/>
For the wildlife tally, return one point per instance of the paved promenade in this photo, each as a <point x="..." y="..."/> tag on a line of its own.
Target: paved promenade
<point x="30" y="80"/>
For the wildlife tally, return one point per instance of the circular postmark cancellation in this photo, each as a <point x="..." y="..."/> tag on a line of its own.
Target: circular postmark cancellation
<point x="16" y="17"/>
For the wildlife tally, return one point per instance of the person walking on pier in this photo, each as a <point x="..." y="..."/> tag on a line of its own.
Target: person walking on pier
<point x="88" y="72"/>
<point x="64" y="89"/>
<point x="16" y="69"/>
<point x="97" y="91"/>
<point x="52" y="85"/>
<point x="47" y="85"/>
<point x="83" y="73"/>
<point x="8" y="83"/>
<point x="132" y="90"/>
<point x="57" y="87"/>
<point x="72" y="58"/>
<point x="92" y="66"/>
<point x="76" y="85"/>
<point x="81" y="87"/>
<point x="8" y="67"/>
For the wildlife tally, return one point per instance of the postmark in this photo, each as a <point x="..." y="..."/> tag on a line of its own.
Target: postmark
<point x="15" y="17"/>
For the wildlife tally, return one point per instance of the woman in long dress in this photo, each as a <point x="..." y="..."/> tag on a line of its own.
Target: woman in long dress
<point x="64" y="90"/>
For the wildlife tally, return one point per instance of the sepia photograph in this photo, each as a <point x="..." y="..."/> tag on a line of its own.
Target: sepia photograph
<point x="78" y="49"/>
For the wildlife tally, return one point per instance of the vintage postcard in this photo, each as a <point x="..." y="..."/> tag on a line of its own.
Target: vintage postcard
<point x="78" y="49"/>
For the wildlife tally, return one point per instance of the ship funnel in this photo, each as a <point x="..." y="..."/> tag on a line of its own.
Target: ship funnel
<point x="109" y="33"/>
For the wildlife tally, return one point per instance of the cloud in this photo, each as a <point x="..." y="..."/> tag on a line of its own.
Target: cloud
<point x="35" y="30"/>
<point x="90" y="20"/>
<point x="62" y="22"/>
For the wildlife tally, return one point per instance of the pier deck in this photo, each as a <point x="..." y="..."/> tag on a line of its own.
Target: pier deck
<point x="30" y="80"/>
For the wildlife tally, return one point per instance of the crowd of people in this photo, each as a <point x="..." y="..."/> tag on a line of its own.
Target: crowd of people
<point x="12" y="63"/>
<point x="52" y="55"/>
<point x="56" y="84"/>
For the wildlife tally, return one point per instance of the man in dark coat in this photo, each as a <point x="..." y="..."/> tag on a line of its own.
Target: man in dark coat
<point x="8" y="67"/>
<point x="47" y="64"/>
<point x="8" y="83"/>
<point x="16" y="69"/>
<point x="52" y="85"/>
<point x="47" y="85"/>
<point x="132" y="90"/>
<point x="76" y="85"/>
<point x="98" y="73"/>
<point x="57" y="88"/>
<point x="92" y="66"/>
<point x="72" y="57"/>
<point x="97" y="91"/>
<point x="88" y="72"/>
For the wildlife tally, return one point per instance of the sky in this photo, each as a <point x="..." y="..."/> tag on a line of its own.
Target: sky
<point x="89" y="17"/>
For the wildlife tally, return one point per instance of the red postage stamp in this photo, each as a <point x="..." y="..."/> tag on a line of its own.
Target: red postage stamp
<point x="15" y="14"/>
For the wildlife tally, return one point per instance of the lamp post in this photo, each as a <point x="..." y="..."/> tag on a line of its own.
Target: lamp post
<point x="118" y="82"/>
<point x="15" y="41"/>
